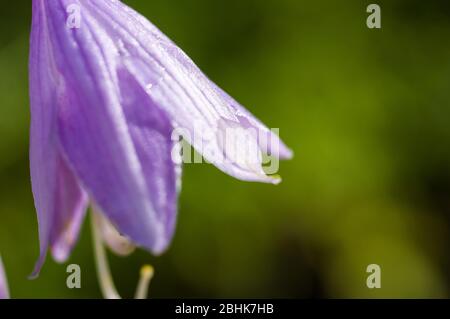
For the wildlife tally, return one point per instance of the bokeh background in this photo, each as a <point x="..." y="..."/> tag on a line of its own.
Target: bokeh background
<point x="367" y="113"/>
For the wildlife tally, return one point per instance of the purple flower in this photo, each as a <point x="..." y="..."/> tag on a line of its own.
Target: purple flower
<point x="107" y="91"/>
<point x="4" y="292"/>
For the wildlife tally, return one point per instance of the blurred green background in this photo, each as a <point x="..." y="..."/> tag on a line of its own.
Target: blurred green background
<point x="367" y="113"/>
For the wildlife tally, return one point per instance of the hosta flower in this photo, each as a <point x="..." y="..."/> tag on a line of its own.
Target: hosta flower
<point x="107" y="91"/>
<point x="4" y="293"/>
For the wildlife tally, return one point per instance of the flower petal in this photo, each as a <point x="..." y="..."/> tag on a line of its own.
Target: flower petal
<point x="269" y="142"/>
<point x="126" y="168"/>
<point x="4" y="291"/>
<point x="177" y="85"/>
<point x="70" y="210"/>
<point x="59" y="200"/>
<point x="151" y="131"/>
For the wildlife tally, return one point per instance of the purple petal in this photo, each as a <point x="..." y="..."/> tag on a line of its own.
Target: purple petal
<point x="4" y="291"/>
<point x="70" y="209"/>
<point x="59" y="200"/>
<point x="269" y="142"/>
<point x="114" y="137"/>
<point x="151" y="131"/>
<point x="111" y="93"/>
<point x="176" y="84"/>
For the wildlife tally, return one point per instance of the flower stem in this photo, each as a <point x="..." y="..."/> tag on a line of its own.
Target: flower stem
<point x="147" y="273"/>
<point x="106" y="281"/>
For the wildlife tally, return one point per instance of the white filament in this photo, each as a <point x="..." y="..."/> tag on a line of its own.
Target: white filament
<point x="105" y="278"/>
